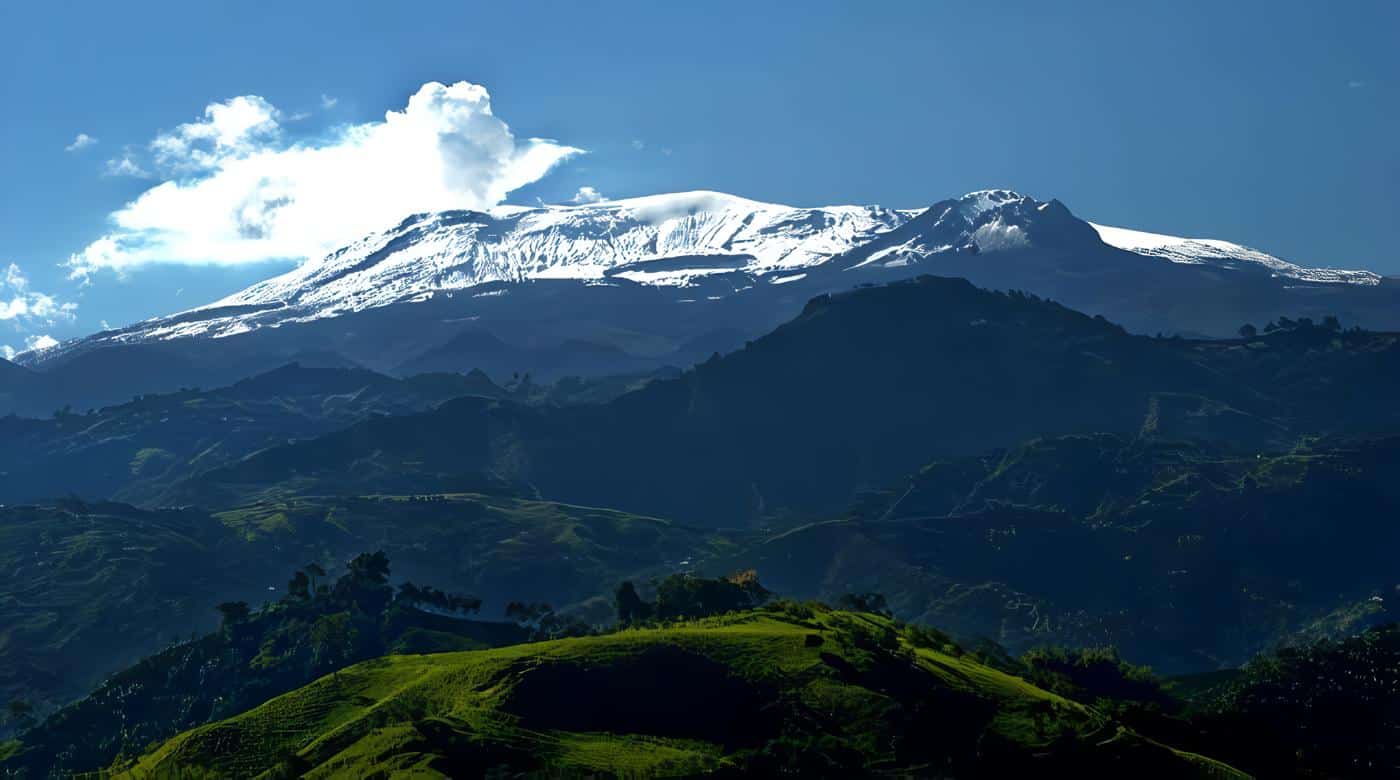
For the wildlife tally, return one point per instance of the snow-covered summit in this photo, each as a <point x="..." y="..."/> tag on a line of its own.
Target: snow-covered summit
<point x="456" y="250"/>
<point x="688" y="240"/>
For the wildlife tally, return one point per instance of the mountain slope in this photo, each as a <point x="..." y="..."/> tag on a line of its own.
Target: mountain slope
<point x="87" y="589"/>
<point x="1225" y="255"/>
<point x="856" y="391"/>
<point x="842" y="694"/>
<point x="128" y="450"/>
<point x="1185" y="558"/>
<point x="635" y="284"/>
<point x="680" y="240"/>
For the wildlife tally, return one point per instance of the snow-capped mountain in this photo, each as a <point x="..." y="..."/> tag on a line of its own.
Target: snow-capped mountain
<point x="631" y="285"/>
<point x="664" y="240"/>
<point x="680" y="240"/>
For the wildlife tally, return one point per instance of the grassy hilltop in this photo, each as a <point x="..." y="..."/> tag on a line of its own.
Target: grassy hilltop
<point x="801" y="688"/>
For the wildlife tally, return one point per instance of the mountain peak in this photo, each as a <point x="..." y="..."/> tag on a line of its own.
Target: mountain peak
<point x="982" y="201"/>
<point x="702" y="246"/>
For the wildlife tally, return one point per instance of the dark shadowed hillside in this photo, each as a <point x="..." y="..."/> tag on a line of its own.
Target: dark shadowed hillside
<point x="861" y="388"/>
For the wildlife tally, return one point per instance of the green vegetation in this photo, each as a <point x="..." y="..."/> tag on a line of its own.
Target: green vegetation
<point x="1327" y="709"/>
<point x="1097" y="676"/>
<point x="788" y="688"/>
<point x="1179" y="503"/>
<point x="88" y="589"/>
<point x="682" y="596"/>
<point x="1185" y="557"/>
<point x="785" y="429"/>
<point x="254" y="655"/>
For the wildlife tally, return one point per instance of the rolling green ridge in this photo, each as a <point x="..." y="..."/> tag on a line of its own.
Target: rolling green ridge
<point x="321" y="624"/>
<point x="801" y="688"/>
<point x="87" y="589"/>
<point x="134" y="451"/>
<point x="1187" y="558"/>
<point x="1062" y="498"/>
<point x="128" y="451"/>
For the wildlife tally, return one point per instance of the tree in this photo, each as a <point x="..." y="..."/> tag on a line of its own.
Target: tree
<point x="688" y="596"/>
<point x="369" y="568"/>
<point x="333" y="639"/>
<point x="1248" y="331"/>
<point x="1330" y="322"/>
<point x="233" y="613"/>
<point x="449" y="602"/>
<point x="630" y="607"/>
<point x="365" y="583"/>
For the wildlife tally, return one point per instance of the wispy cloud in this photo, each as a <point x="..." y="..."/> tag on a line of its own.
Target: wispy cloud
<point x="126" y="165"/>
<point x="638" y="144"/>
<point x="328" y="102"/>
<point x="235" y="191"/>
<point x="1356" y="84"/>
<point x="82" y="141"/>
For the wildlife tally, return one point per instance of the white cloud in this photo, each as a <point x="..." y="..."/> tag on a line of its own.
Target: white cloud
<point x="234" y="128"/>
<point x="20" y="304"/>
<point x="587" y="195"/>
<point x="328" y="102"/>
<point x="638" y="144"/>
<point x="7" y="352"/>
<point x="15" y="279"/>
<point x="83" y="141"/>
<point x="125" y="165"/>
<point x="235" y="192"/>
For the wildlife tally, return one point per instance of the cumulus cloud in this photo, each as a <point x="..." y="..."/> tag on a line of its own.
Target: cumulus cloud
<point x="231" y="129"/>
<point x="235" y="191"/>
<point x="83" y="141"/>
<point x="587" y="195"/>
<point x="20" y="304"/>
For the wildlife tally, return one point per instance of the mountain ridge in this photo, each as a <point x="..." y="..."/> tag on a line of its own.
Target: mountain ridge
<point x="647" y="239"/>
<point x="637" y="285"/>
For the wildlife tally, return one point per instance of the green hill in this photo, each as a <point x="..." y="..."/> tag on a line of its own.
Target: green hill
<point x="790" y="687"/>
<point x="1186" y="558"/>
<point x="87" y="589"/>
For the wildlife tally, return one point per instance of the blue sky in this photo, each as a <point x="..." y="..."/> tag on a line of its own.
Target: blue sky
<point x="1272" y="124"/>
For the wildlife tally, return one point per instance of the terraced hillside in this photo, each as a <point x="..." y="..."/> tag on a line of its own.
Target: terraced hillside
<point x="790" y="687"/>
